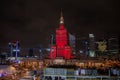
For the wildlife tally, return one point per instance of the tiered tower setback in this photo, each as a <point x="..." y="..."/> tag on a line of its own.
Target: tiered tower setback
<point x="61" y="49"/>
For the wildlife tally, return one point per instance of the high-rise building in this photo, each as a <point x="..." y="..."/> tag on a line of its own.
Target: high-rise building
<point x="91" y="45"/>
<point x="102" y="46"/>
<point x="82" y="45"/>
<point x="72" y="42"/>
<point x="61" y="49"/>
<point x="14" y="48"/>
<point x="113" y="45"/>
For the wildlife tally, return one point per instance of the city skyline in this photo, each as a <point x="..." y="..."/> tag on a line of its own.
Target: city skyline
<point x="31" y="22"/>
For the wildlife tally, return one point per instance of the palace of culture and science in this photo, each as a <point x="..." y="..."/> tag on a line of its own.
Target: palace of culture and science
<point x="62" y="63"/>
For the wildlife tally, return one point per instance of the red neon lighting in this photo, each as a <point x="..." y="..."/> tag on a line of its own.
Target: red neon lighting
<point x="61" y="49"/>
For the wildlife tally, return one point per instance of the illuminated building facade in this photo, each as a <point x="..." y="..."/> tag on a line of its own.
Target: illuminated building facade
<point x="61" y="49"/>
<point x="91" y="45"/>
<point x="14" y="49"/>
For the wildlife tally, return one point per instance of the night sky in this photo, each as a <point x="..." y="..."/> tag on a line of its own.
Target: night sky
<point x="32" y="21"/>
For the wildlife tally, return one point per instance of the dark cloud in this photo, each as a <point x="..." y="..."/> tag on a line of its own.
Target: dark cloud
<point x="32" y="21"/>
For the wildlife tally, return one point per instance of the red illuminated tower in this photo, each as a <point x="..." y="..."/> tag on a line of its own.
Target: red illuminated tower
<point x="61" y="49"/>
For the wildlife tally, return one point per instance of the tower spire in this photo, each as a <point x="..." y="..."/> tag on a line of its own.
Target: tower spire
<point x="61" y="18"/>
